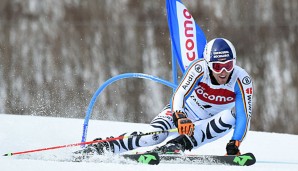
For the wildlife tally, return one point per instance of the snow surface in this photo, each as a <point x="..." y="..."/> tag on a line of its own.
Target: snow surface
<point x="21" y="133"/>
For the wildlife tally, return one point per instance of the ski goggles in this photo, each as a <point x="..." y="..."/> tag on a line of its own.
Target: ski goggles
<point x="218" y="66"/>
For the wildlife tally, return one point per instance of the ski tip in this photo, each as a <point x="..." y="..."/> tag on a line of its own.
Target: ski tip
<point x="8" y="154"/>
<point x="251" y="155"/>
<point x="246" y="159"/>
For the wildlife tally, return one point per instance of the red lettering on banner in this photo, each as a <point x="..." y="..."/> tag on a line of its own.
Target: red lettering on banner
<point x="188" y="30"/>
<point x="191" y="58"/>
<point x="186" y="14"/>
<point x="189" y="44"/>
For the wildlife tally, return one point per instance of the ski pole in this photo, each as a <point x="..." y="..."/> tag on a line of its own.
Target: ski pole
<point x="89" y="142"/>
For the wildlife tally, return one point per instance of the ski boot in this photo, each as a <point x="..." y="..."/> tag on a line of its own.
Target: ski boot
<point x="177" y="145"/>
<point x="100" y="148"/>
<point x="170" y="148"/>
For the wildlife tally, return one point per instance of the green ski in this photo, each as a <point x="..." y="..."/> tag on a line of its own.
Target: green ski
<point x="246" y="159"/>
<point x="151" y="158"/>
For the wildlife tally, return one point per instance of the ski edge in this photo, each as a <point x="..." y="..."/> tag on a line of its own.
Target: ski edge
<point x="246" y="159"/>
<point x="153" y="158"/>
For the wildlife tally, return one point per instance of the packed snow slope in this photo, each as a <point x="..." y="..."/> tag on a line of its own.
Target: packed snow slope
<point x="21" y="133"/>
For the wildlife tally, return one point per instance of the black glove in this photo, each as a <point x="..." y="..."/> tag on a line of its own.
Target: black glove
<point x="233" y="147"/>
<point x="184" y="125"/>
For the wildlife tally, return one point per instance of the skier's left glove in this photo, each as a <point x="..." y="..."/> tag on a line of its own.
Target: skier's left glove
<point x="184" y="125"/>
<point x="233" y="147"/>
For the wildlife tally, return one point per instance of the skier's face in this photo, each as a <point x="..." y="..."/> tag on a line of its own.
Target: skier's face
<point x="222" y="77"/>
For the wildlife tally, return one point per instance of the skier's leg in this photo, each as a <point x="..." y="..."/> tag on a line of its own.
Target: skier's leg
<point x="163" y="121"/>
<point x="213" y="128"/>
<point x="206" y="131"/>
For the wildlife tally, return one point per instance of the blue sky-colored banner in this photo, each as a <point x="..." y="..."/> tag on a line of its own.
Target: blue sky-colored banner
<point x="188" y="40"/>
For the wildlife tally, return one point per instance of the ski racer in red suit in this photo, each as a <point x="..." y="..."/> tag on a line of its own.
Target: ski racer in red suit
<point x="213" y="98"/>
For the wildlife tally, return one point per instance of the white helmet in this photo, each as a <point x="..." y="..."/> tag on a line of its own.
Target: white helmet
<point x="220" y="54"/>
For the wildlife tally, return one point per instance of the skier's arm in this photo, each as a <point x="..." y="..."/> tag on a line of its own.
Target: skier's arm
<point x="243" y="109"/>
<point x="192" y="76"/>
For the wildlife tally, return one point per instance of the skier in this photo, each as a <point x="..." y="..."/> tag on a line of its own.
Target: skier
<point x="214" y="96"/>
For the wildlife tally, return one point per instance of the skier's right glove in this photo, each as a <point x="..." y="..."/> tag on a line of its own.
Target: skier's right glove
<point x="184" y="125"/>
<point x="233" y="147"/>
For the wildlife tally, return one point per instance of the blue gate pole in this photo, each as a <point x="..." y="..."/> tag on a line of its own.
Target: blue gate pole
<point x="110" y="81"/>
